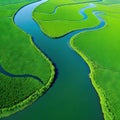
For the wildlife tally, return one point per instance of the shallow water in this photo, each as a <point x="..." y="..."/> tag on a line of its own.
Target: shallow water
<point x="72" y="96"/>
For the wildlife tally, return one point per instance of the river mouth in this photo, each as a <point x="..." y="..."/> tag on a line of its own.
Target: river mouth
<point x="72" y="97"/>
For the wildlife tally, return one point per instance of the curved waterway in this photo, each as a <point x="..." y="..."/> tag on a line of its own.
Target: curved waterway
<point x="3" y="71"/>
<point x="72" y="97"/>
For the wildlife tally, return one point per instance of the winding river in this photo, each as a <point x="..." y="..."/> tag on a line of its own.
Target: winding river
<point x="72" y="97"/>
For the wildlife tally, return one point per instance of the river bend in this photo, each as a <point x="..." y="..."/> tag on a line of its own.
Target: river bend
<point x="72" y="97"/>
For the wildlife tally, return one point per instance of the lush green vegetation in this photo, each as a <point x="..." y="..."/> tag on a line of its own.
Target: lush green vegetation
<point x="8" y="2"/>
<point x="100" y="48"/>
<point x="20" y="56"/>
<point x="111" y="1"/>
<point x="56" y="25"/>
<point x="50" y="5"/>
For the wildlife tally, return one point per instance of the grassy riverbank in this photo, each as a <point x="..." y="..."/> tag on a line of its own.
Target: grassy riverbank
<point x="104" y="67"/>
<point x="100" y="49"/>
<point x="52" y="4"/>
<point x="19" y="56"/>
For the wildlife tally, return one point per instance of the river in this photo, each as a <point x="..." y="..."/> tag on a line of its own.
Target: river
<point x="72" y="96"/>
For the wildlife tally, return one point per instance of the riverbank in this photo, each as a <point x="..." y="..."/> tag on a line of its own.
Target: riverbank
<point x="104" y="67"/>
<point x="103" y="100"/>
<point x="99" y="73"/>
<point x="54" y="25"/>
<point x="19" y="56"/>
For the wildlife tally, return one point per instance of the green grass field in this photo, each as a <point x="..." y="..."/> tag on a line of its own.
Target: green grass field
<point x="18" y="56"/>
<point x="8" y="2"/>
<point x="61" y="22"/>
<point x="100" y="49"/>
<point x="52" y="4"/>
<point x="111" y="1"/>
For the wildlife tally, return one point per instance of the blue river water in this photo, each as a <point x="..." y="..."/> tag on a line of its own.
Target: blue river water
<point x="72" y="97"/>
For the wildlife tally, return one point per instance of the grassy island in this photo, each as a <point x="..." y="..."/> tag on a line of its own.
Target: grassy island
<point x="59" y="19"/>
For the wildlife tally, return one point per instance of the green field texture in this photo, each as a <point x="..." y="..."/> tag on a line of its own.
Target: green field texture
<point x="111" y="1"/>
<point x="54" y="17"/>
<point x="50" y="5"/>
<point x="8" y="2"/>
<point x="100" y="49"/>
<point x="60" y="11"/>
<point x="56" y="25"/>
<point x="19" y="56"/>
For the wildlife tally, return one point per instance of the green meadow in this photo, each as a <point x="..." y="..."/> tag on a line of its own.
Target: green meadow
<point x="19" y="56"/>
<point x="55" y="25"/>
<point x="8" y="2"/>
<point x="100" y="48"/>
<point x="111" y="1"/>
